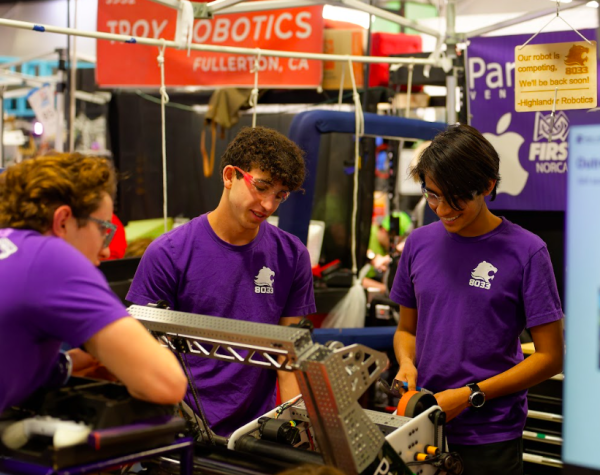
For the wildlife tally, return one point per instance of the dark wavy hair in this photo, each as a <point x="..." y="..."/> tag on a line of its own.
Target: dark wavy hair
<point x="268" y="150"/>
<point x="32" y="190"/>
<point x="461" y="162"/>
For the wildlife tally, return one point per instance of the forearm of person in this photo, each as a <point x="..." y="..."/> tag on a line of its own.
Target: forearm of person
<point x="404" y="346"/>
<point x="288" y="384"/>
<point x="541" y="365"/>
<point x="148" y="370"/>
<point x="405" y="336"/>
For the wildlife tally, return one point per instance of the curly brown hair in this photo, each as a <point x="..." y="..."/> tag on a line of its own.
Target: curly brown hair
<point x="31" y="191"/>
<point x="268" y="150"/>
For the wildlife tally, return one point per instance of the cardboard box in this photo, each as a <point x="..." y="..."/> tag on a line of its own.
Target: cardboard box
<point x="342" y="42"/>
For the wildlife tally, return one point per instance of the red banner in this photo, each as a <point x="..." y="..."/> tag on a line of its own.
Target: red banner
<point x="127" y="65"/>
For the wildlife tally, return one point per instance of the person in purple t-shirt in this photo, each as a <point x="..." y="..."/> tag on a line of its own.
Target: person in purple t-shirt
<point x="231" y="263"/>
<point x="54" y="227"/>
<point x="467" y="286"/>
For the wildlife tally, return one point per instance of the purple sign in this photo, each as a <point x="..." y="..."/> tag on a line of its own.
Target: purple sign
<point x="533" y="169"/>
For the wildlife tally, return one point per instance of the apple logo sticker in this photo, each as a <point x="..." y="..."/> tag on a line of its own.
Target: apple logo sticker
<point x="513" y="175"/>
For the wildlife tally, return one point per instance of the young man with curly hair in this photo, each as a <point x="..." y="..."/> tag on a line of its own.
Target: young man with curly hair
<point x="54" y="228"/>
<point x="231" y="263"/>
<point x="467" y="286"/>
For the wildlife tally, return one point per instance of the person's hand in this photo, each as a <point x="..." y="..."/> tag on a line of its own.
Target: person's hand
<point x="381" y="262"/>
<point x="81" y="359"/>
<point x="453" y="401"/>
<point x="400" y="246"/>
<point x="86" y="366"/>
<point x="408" y="373"/>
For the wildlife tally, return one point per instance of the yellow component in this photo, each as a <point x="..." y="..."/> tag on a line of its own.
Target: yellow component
<point x="421" y="457"/>
<point x="432" y="450"/>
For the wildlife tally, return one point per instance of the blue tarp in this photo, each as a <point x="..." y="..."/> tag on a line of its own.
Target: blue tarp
<point x="306" y="130"/>
<point x="378" y="338"/>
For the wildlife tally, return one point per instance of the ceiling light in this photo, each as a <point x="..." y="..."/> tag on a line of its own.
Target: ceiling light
<point x="38" y="128"/>
<point x="347" y="15"/>
<point x="592" y="4"/>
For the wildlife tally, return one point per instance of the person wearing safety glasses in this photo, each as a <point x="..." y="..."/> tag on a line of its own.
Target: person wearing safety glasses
<point x="232" y="263"/>
<point x="467" y="286"/>
<point x="55" y="227"/>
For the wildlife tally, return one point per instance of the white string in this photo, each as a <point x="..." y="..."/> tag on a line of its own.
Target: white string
<point x="341" y="92"/>
<point x="164" y="99"/>
<point x="411" y="68"/>
<point x="359" y="127"/>
<point x="551" y="20"/>
<point x="552" y="116"/>
<point x="254" y="93"/>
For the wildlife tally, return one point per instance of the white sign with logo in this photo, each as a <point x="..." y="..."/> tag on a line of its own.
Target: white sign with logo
<point x="564" y="73"/>
<point x="41" y="100"/>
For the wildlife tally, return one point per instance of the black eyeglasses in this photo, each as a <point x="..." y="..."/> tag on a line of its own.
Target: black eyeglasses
<point x="107" y="229"/>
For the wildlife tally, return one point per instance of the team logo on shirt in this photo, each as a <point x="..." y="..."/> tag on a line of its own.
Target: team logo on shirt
<point x="7" y="248"/>
<point x="263" y="282"/>
<point x="480" y="277"/>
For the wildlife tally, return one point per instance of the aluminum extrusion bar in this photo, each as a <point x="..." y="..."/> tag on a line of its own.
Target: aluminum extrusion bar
<point x="216" y="49"/>
<point x="223" y="338"/>
<point x="33" y="81"/>
<point x="522" y="18"/>
<point x="540" y="460"/>
<point x="95" y="97"/>
<point x="544" y="438"/>
<point x="545" y="416"/>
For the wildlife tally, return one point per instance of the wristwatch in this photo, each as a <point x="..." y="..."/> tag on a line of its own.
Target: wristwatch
<point x="477" y="397"/>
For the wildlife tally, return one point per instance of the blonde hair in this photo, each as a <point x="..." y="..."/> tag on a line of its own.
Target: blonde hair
<point x="32" y="190"/>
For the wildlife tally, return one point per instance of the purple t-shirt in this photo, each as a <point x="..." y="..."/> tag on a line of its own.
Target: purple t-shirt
<point x="49" y="294"/>
<point x="195" y="271"/>
<point x="474" y="297"/>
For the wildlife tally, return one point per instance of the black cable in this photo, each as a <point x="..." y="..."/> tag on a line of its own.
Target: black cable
<point x="285" y="405"/>
<point x="192" y="384"/>
<point x="203" y="422"/>
<point x="425" y="462"/>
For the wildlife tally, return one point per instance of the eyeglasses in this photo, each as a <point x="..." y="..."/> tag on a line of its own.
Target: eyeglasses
<point x="107" y="229"/>
<point x="262" y="188"/>
<point x="434" y="200"/>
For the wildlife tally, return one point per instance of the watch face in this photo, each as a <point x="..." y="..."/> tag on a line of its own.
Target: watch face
<point x="477" y="399"/>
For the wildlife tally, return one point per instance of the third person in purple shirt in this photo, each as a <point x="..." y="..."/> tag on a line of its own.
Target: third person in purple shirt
<point x="467" y="286"/>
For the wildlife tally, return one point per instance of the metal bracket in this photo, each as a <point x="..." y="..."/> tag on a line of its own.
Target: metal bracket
<point x="255" y="344"/>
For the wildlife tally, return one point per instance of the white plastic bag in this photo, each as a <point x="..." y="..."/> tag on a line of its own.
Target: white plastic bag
<point x="350" y="311"/>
